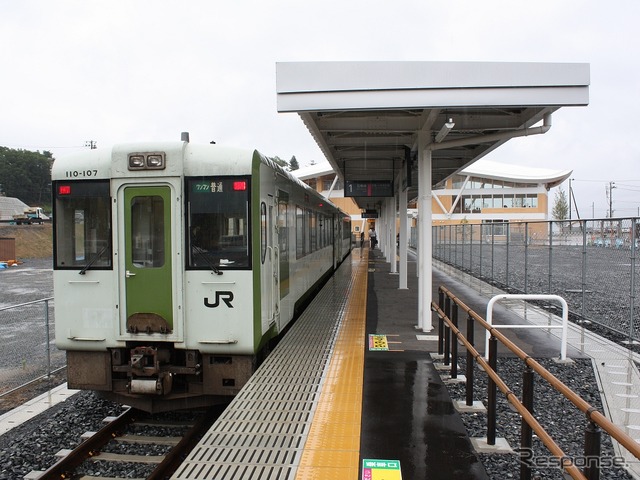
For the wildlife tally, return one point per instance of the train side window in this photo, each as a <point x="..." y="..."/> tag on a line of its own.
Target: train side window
<point x="313" y="228"/>
<point x="218" y="213"/>
<point x="263" y="231"/>
<point x="307" y="231"/>
<point x="82" y="216"/>
<point x="300" y="233"/>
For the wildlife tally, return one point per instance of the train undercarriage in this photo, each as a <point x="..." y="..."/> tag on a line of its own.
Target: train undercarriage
<point x="155" y="377"/>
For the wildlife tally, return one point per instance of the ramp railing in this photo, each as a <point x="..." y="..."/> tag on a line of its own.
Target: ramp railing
<point x="447" y="310"/>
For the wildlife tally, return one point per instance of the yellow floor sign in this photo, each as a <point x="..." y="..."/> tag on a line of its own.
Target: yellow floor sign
<point x="378" y="343"/>
<point x="381" y="469"/>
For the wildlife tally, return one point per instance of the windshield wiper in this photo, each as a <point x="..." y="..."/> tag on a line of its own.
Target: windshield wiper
<point x="95" y="258"/>
<point x="205" y="258"/>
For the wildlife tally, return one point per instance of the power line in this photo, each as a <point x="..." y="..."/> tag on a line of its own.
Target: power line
<point x="35" y="147"/>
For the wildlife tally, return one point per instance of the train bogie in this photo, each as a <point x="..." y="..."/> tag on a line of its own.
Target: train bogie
<point x="176" y="266"/>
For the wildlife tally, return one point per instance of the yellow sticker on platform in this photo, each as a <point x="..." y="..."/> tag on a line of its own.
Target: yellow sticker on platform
<point x="381" y="469"/>
<point x="378" y="343"/>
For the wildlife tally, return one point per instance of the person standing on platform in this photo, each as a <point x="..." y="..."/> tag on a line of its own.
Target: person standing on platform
<point x="373" y="240"/>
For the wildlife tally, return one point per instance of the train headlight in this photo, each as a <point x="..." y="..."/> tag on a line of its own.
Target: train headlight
<point x="155" y="161"/>
<point x="147" y="161"/>
<point x="136" y="162"/>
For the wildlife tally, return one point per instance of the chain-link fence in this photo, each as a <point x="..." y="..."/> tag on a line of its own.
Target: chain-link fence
<point x="27" y="350"/>
<point x="593" y="264"/>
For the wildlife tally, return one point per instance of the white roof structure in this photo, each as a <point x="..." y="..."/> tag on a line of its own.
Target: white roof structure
<point x="515" y="173"/>
<point x="313" y="171"/>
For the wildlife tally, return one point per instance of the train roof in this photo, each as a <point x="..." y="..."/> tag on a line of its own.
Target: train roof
<point x="182" y="159"/>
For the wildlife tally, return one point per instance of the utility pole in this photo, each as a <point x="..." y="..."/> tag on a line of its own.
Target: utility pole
<point x="570" y="195"/>
<point x="612" y="185"/>
<point x="92" y="144"/>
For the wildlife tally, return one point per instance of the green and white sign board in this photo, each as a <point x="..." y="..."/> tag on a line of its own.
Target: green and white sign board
<point x="381" y="469"/>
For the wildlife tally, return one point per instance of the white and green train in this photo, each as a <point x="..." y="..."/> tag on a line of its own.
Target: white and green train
<point x="177" y="266"/>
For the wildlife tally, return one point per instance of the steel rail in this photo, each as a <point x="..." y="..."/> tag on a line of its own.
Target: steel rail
<point x="592" y="414"/>
<point x="64" y="467"/>
<point x="175" y="456"/>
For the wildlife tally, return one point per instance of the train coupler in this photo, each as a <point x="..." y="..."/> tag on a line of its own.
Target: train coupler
<point x="152" y="386"/>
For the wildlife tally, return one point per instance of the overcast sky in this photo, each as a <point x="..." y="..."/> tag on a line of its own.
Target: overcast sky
<point x="126" y="70"/>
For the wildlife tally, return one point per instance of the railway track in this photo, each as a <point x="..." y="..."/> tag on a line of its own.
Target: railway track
<point x="95" y="456"/>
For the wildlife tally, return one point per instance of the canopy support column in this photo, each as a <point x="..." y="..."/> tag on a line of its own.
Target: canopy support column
<point x="425" y="215"/>
<point x="404" y="241"/>
<point x="393" y="232"/>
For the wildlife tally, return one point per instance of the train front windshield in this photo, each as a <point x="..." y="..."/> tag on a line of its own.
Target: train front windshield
<point x="218" y="223"/>
<point x="82" y="219"/>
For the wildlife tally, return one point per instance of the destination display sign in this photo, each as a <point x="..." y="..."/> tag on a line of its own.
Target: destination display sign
<point x="374" y="188"/>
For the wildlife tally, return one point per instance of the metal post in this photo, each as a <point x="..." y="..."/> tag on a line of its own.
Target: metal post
<point x="462" y="248"/>
<point x="481" y="242"/>
<point x="526" y="433"/>
<point x="550" y="255"/>
<point x="526" y="255"/>
<point x="46" y="322"/>
<point x="471" y="249"/>
<point x="454" y="341"/>
<point x="447" y="338"/>
<point x="592" y="451"/>
<point x="491" y="394"/>
<point x="632" y="286"/>
<point x="584" y="269"/>
<point x="441" y="304"/>
<point x="493" y="252"/>
<point x="450" y="244"/>
<point x="507" y="254"/>
<point x="455" y="246"/>
<point x="470" y="362"/>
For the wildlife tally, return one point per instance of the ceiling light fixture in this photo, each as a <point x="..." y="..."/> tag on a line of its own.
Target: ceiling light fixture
<point x="444" y="131"/>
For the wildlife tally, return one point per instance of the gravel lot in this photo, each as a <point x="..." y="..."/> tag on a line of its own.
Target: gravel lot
<point x="30" y="281"/>
<point x="605" y="274"/>
<point x="23" y="352"/>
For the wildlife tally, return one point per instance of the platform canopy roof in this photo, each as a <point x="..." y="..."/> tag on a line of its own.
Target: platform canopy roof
<point x="367" y="117"/>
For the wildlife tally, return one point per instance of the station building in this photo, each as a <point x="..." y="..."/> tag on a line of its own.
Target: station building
<point x="484" y="193"/>
<point x="492" y="192"/>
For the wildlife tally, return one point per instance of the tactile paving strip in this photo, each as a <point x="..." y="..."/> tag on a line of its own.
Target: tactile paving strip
<point x="261" y="435"/>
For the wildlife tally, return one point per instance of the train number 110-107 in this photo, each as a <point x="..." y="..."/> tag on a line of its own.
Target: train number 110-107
<point x="80" y="173"/>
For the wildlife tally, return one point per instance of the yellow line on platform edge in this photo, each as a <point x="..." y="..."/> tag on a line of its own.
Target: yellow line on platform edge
<point x="332" y="449"/>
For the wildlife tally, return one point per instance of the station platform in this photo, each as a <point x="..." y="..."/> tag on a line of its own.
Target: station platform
<point x="329" y="403"/>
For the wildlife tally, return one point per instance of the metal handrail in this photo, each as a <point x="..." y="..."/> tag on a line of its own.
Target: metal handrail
<point x="563" y="325"/>
<point x="592" y="414"/>
<point x="25" y="304"/>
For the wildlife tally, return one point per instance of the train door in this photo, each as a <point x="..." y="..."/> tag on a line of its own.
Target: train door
<point x="275" y="263"/>
<point x="146" y="245"/>
<point x="269" y="272"/>
<point x="335" y="235"/>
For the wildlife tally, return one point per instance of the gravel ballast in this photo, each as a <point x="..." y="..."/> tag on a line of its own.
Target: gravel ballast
<point x="559" y="417"/>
